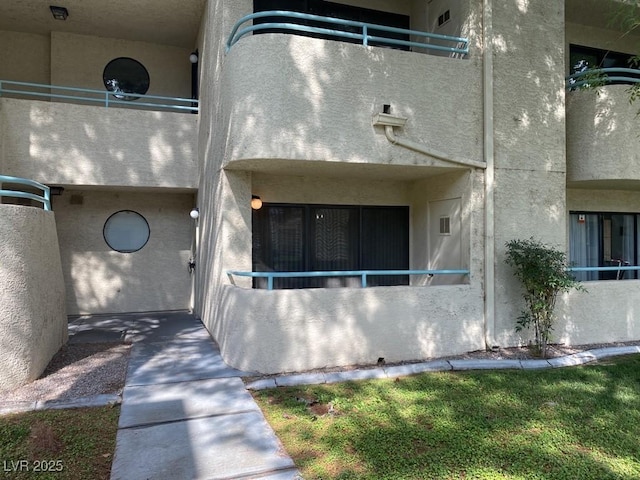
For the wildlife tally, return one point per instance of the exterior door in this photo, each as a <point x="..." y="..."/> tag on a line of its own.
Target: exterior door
<point x="444" y="240"/>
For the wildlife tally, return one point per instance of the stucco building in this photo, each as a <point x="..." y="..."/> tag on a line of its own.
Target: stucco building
<point x="418" y="149"/>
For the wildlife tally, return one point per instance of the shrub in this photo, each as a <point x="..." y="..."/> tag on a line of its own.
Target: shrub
<point x="543" y="273"/>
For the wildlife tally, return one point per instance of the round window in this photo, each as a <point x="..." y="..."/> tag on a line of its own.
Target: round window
<point x="126" y="231"/>
<point x="125" y="75"/>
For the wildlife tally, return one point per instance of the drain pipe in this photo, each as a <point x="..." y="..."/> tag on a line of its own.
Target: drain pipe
<point x="389" y="121"/>
<point x="489" y="178"/>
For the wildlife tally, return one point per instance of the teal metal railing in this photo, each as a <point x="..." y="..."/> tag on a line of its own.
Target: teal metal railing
<point x="618" y="269"/>
<point x="363" y="274"/>
<point x="45" y="198"/>
<point x="104" y="98"/>
<point x="603" y="75"/>
<point x="294" y="22"/>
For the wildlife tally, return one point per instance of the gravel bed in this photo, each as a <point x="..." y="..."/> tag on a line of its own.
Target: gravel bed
<point x="86" y="369"/>
<point x="77" y="370"/>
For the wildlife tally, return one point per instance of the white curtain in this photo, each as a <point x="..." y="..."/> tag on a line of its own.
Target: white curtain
<point x="584" y="244"/>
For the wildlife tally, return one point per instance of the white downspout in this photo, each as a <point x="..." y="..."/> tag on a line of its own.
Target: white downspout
<point x="489" y="177"/>
<point x="416" y="147"/>
<point x="389" y="121"/>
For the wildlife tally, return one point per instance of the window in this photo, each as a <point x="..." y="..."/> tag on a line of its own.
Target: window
<point x="299" y="238"/>
<point x="334" y="10"/>
<point x="604" y="240"/>
<point x="583" y="58"/>
<point x="126" y="231"/>
<point x="125" y="75"/>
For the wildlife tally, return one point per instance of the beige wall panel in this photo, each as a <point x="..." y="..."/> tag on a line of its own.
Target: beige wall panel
<point x="607" y="312"/>
<point x="24" y="57"/>
<point x="603" y="146"/>
<point x="529" y="85"/>
<point x="603" y="200"/>
<point x="294" y="97"/>
<point x="330" y="190"/>
<point x="79" y="61"/>
<point x="528" y="204"/>
<point x="33" y="320"/>
<point x="100" y="280"/>
<point x="295" y="330"/>
<point x="529" y="141"/>
<point x="214" y="201"/>
<point x="82" y="145"/>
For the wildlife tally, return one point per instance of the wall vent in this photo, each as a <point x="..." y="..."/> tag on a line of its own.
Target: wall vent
<point x="444" y="18"/>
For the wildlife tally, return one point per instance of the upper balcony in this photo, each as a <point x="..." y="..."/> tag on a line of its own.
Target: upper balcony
<point x="304" y="95"/>
<point x="103" y="97"/>
<point x="71" y="144"/>
<point x="603" y="147"/>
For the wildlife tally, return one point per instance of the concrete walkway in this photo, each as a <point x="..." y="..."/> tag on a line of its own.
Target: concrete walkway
<point x="185" y="414"/>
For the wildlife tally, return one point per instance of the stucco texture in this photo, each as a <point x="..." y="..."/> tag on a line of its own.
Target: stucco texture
<point x="79" y="61"/>
<point x="65" y="144"/>
<point x="602" y="125"/>
<point x="33" y="322"/>
<point x="296" y="330"/>
<point x="293" y="97"/>
<point x="24" y="57"/>
<point x="101" y="280"/>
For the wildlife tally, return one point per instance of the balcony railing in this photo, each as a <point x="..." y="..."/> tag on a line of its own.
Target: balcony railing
<point x="104" y="98"/>
<point x="45" y="198"/>
<point x="618" y="270"/>
<point x="603" y="76"/>
<point x="363" y="274"/>
<point x="295" y="22"/>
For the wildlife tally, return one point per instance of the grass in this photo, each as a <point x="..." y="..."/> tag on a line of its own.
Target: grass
<point x="571" y="423"/>
<point x="75" y="444"/>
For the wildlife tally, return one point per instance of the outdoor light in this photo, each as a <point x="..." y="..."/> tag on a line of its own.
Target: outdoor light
<point x="256" y="202"/>
<point x="193" y="58"/>
<point x="56" y="190"/>
<point x="194" y="213"/>
<point x="59" y="13"/>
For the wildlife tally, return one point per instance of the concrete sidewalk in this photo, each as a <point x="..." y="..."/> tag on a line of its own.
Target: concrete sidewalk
<point x="185" y="414"/>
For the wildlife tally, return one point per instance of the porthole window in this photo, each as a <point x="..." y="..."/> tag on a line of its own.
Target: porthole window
<point x="126" y="231"/>
<point x="125" y="75"/>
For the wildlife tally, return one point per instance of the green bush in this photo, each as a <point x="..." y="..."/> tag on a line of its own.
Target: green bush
<point x="543" y="273"/>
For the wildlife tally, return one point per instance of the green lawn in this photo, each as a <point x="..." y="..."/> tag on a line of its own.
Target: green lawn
<point x="571" y="423"/>
<point x="75" y="444"/>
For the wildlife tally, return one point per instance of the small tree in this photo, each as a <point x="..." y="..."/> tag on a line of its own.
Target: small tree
<point x="543" y="273"/>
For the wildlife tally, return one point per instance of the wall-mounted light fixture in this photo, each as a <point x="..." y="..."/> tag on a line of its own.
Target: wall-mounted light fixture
<point x="256" y="202"/>
<point x="193" y="58"/>
<point x="195" y="213"/>
<point x="59" y="13"/>
<point x="55" y="190"/>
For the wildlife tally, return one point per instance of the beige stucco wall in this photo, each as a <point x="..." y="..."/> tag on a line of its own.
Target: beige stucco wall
<point x="301" y="98"/>
<point x="100" y="280"/>
<point x="291" y="330"/>
<point x="24" y="57"/>
<point x="275" y="103"/>
<point x="529" y="141"/>
<point x="61" y="143"/>
<point x="607" y="312"/>
<point x="603" y="146"/>
<point x="79" y="61"/>
<point x="33" y="322"/>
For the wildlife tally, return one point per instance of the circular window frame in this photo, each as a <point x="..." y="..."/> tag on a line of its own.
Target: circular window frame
<point x="109" y="244"/>
<point x="126" y="95"/>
